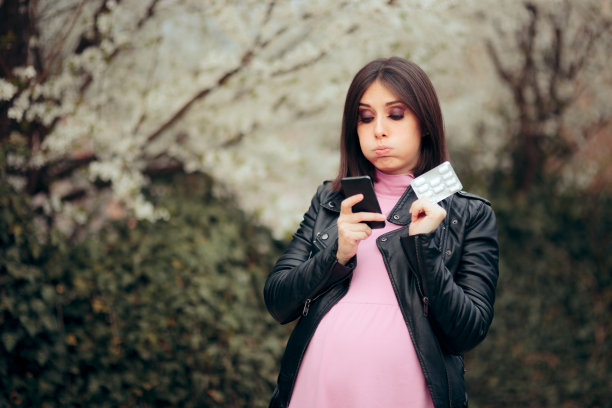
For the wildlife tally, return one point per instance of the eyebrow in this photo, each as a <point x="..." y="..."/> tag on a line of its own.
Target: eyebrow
<point x="386" y="104"/>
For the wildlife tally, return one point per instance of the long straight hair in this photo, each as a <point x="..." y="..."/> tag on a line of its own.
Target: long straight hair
<point x="411" y="85"/>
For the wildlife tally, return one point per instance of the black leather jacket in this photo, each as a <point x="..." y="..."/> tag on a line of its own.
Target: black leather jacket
<point x="444" y="282"/>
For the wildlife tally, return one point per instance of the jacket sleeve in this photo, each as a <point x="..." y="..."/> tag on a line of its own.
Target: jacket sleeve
<point x="460" y="302"/>
<point x="299" y="275"/>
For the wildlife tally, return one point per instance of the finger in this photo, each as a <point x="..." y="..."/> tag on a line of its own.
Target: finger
<point x="427" y="214"/>
<point x="422" y="208"/>
<point x="417" y="210"/>
<point x="367" y="216"/>
<point x="351" y="228"/>
<point x="420" y="205"/>
<point x="351" y="239"/>
<point x="425" y="205"/>
<point x="346" y="207"/>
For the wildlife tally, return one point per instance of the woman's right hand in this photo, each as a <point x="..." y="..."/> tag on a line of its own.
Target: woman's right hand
<point x="352" y="229"/>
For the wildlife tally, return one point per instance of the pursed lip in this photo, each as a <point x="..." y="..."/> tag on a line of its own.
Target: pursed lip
<point x="382" y="150"/>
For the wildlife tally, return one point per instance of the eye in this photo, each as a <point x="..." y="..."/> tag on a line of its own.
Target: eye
<point x="365" y="116"/>
<point x="396" y="113"/>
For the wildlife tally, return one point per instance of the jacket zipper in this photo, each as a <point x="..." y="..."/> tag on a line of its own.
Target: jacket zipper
<point x="306" y="307"/>
<point x="424" y="298"/>
<point x="309" y="301"/>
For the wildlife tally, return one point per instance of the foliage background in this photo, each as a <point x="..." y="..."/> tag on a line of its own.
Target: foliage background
<point x="157" y="155"/>
<point x="155" y="314"/>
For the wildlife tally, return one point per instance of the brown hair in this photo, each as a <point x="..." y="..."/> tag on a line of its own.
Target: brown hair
<point x="412" y="86"/>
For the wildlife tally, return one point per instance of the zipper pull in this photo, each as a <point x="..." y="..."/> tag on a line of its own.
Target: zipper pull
<point x="426" y="305"/>
<point x="306" y="307"/>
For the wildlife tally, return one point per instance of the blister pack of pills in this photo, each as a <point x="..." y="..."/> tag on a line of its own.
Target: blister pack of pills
<point x="437" y="184"/>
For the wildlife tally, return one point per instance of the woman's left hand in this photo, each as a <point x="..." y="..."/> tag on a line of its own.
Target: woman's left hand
<point x="426" y="216"/>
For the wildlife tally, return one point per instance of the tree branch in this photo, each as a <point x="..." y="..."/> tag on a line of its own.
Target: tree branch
<point x="65" y="167"/>
<point x="57" y="47"/>
<point x="244" y="62"/>
<point x="301" y="65"/>
<point x="503" y="73"/>
<point x="150" y="12"/>
<point x="202" y="94"/>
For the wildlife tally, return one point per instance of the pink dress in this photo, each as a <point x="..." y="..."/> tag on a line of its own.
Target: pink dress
<point x="361" y="354"/>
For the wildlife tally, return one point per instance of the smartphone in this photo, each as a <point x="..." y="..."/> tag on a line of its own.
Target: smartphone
<point x="363" y="185"/>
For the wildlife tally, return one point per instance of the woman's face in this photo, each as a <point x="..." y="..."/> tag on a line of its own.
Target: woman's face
<point x="389" y="133"/>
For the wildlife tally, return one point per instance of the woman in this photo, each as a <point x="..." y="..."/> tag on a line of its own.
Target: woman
<point x="385" y="314"/>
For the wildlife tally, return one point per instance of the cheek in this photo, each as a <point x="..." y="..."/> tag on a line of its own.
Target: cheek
<point x="412" y="134"/>
<point x="416" y="145"/>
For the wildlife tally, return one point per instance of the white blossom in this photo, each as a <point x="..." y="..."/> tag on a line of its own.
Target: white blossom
<point x="7" y="90"/>
<point x="27" y="72"/>
<point x="267" y="125"/>
<point x="19" y="106"/>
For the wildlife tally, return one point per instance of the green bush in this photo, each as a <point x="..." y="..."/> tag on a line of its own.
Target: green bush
<point x="170" y="314"/>
<point x="153" y="314"/>
<point x="549" y="344"/>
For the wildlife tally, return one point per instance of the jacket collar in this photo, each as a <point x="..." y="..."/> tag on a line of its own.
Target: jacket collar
<point x="400" y="215"/>
<point x="333" y="201"/>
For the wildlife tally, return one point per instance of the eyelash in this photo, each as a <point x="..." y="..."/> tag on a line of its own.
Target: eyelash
<point x="370" y="118"/>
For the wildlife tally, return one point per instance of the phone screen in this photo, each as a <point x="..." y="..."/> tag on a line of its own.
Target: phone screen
<point x="363" y="185"/>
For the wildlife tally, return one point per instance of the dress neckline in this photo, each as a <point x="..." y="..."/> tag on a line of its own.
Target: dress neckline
<point x="392" y="185"/>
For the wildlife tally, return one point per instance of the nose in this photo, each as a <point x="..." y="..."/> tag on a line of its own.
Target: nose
<point x="379" y="128"/>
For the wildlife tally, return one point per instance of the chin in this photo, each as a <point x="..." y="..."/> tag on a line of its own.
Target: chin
<point x="389" y="170"/>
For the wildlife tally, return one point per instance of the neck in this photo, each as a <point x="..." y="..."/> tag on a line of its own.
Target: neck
<point x="392" y="184"/>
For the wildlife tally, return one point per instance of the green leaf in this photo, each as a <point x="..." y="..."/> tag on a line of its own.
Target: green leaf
<point x="9" y="340"/>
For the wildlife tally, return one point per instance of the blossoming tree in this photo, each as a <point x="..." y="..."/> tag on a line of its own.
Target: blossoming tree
<point x="101" y="95"/>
